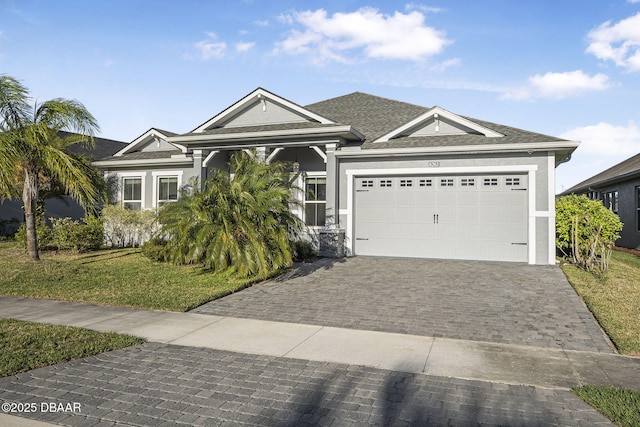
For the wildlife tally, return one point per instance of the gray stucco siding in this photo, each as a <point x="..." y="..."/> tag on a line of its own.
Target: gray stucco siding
<point x="541" y="161"/>
<point x="149" y="175"/>
<point x="541" y="166"/>
<point x="627" y="211"/>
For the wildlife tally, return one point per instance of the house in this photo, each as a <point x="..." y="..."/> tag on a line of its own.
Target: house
<point x="378" y="177"/>
<point x="619" y="189"/>
<point x="11" y="211"/>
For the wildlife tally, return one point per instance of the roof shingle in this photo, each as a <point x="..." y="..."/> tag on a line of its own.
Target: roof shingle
<point x="374" y="117"/>
<point x="628" y="167"/>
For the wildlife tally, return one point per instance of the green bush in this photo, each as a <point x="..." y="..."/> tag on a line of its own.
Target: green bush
<point x="44" y="234"/>
<point x="154" y="249"/>
<point x="303" y="251"/>
<point x="585" y="231"/>
<point x="66" y="233"/>
<point x="127" y="228"/>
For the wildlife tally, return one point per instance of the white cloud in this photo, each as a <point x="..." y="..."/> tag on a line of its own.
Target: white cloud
<point x="423" y="8"/>
<point x="264" y="23"/>
<point x="244" y="46"/>
<point x="210" y="48"/>
<point x="633" y="1"/>
<point x="366" y="32"/>
<point x="618" y="42"/>
<point x="559" y="85"/>
<point x="444" y="65"/>
<point x="607" y="140"/>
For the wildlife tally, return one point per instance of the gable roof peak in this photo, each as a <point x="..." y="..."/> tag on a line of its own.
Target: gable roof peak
<point x="437" y="113"/>
<point x="142" y="139"/>
<point x="259" y="95"/>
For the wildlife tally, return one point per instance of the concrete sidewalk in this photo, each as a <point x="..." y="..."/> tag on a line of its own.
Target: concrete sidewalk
<point x="503" y="363"/>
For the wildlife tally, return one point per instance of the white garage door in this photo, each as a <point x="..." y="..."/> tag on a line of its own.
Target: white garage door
<point x="475" y="217"/>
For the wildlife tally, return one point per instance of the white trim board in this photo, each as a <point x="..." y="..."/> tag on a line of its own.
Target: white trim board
<point x="163" y="174"/>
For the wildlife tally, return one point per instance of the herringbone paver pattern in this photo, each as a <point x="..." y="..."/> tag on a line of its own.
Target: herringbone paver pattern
<point x="483" y="301"/>
<point x="165" y="385"/>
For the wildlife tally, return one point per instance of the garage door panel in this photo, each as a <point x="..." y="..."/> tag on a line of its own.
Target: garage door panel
<point x="457" y="217"/>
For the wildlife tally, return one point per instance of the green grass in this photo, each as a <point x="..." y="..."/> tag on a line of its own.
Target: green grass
<point x="614" y="299"/>
<point x="27" y="345"/>
<point x="114" y="277"/>
<point x="621" y="406"/>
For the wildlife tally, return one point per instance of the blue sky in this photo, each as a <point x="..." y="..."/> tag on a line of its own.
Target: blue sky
<point x="565" y="68"/>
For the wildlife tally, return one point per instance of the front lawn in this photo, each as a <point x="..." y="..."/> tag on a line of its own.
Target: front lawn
<point x="113" y="277"/>
<point x="621" y="406"/>
<point x="614" y="300"/>
<point x="27" y="345"/>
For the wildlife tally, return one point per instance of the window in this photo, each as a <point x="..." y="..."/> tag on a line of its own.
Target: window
<point x="490" y="182"/>
<point x="446" y="182"/>
<point x="385" y="183"/>
<point x="610" y="200"/>
<point x="467" y="182"/>
<point x="406" y="183"/>
<point x="426" y="183"/>
<point x="367" y="183"/>
<point x="167" y="190"/>
<point x="315" y="199"/>
<point x="512" y="181"/>
<point x="132" y="193"/>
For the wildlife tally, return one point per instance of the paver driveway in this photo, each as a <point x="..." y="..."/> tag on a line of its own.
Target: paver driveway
<point x="166" y="385"/>
<point x="484" y="301"/>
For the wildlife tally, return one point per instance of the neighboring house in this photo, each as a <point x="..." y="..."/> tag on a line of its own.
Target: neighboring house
<point x="377" y="176"/>
<point x="619" y="190"/>
<point x="11" y="211"/>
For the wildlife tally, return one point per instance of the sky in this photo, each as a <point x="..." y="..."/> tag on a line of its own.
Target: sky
<point x="565" y="68"/>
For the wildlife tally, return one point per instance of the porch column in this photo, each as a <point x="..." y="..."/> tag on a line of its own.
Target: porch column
<point x="261" y="153"/>
<point x="332" y="191"/>
<point x="198" y="167"/>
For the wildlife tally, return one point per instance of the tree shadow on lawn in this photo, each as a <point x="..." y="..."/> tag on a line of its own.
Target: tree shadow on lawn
<point x="107" y="255"/>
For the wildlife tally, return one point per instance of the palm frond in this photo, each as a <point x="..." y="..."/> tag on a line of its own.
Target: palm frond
<point x="71" y="115"/>
<point x="14" y="104"/>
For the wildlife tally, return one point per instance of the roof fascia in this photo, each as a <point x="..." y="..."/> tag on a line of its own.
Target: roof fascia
<point x="444" y="113"/>
<point x="143" y="162"/>
<point x="609" y="181"/>
<point x="259" y="93"/>
<point x="143" y="139"/>
<point x="529" y="148"/>
<point x="273" y="134"/>
<point x="275" y="143"/>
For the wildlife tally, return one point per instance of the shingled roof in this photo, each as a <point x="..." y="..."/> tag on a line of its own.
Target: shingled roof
<point x="375" y="116"/>
<point x="626" y="169"/>
<point x="103" y="147"/>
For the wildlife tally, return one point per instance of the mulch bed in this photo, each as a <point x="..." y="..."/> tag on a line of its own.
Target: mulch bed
<point x="627" y="250"/>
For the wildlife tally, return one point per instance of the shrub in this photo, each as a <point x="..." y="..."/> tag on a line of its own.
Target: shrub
<point x="303" y="251"/>
<point x="127" y="228"/>
<point x="78" y="236"/>
<point x="66" y="233"/>
<point x="585" y="232"/>
<point x="154" y="249"/>
<point x="44" y="234"/>
<point x="244" y="222"/>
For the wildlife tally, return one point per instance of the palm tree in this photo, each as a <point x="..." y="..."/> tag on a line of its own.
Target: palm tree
<point x="243" y="222"/>
<point x="33" y="151"/>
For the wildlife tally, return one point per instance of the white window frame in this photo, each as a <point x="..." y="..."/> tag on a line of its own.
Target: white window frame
<point x="304" y="197"/>
<point x="156" y="179"/>
<point x="122" y="176"/>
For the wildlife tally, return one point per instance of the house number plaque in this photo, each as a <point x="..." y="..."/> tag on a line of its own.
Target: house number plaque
<point x="433" y="164"/>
